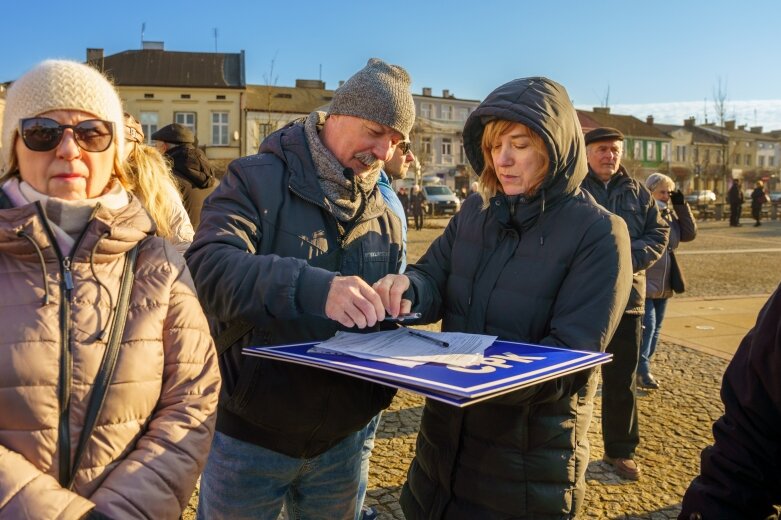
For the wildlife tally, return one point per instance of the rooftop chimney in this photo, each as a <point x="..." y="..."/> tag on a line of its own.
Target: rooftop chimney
<point x="445" y="93"/>
<point x="310" y="83"/>
<point x="426" y="91"/>
<point x="741" y="127"/>
<point x="689" y="123"/>
<point x="95" y="55"/>
<point x="756" y="129"/>
<point x="729" y="125"/>
<point x="341" y="82"/>
<point x="601" y="110"/>
<point x="153" y="46"/>
<point x="650" y="120"/>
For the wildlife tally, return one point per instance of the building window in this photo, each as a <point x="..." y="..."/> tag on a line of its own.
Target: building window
<point x="680" y="153"/>
<point x="425" y="144"/>
<point x="463" y="114"/>
<point x="220" y="128"/>
<point x="650" y="150"/>
<point x="186" y="119"/>
<point x="748" y="160"/>
<point x="149" y="96"/>
<point x="220" y="96"/>
<point x="665" y="151"/>
<point x="761" y="160"/>
<point x="425" y="110"/>
<point x="707" y="156"/>
<point x="149" y="124"/>
<point x="184" y="96"/>
<point x="447" y="112"/>
<point x="264" y="129"/>
<point x="771" y="161"/>
<point x="447" y="146"/>
<point x="638" y="151"/>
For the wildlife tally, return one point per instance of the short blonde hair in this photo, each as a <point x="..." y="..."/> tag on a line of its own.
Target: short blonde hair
<point x="489" y="184"/>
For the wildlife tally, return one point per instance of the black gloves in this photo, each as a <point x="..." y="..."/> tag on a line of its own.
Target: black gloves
<point x="676" y="197"/>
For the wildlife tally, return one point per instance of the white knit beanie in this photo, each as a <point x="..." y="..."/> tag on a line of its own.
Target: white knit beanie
<point x="60" y="85"/>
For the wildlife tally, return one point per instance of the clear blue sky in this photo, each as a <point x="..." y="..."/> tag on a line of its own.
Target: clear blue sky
<point x="645" y="52"/>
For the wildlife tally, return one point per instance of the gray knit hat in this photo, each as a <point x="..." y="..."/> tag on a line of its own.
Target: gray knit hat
<point x="60" y="85"/>
<point x="378" y="92"/>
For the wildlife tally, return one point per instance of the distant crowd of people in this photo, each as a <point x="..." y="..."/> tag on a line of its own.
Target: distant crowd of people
<point x="133" y="278"/>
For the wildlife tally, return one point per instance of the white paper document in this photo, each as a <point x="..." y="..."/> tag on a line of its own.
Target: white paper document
<point x="406" y="347"/>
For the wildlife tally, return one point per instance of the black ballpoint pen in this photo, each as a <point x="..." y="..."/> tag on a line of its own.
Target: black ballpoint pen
<point x="439" y="342"/>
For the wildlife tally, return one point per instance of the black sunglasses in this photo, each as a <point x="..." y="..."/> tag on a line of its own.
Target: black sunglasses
<point x="404" y="146"/>
<point x="41" y="134"/>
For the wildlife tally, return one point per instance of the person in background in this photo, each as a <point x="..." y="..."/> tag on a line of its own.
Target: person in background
<point x="612" y="187"/>
<point x="531" y="259"/>
<point x="191" y="167"/>
<point x="109" y="374"/>
<point x="658" y="288"/>
<point x="417" y="204"/>
<point x="735" y="199"/>
<point x="474" y="188"/>
<point x="150" y="178"/>
<point x="740" y="474"/>
<point x="758" y="199"/>
<point x="395" y="168"/>
<point x="286" y="251"/>
<point x="403" y="195"/>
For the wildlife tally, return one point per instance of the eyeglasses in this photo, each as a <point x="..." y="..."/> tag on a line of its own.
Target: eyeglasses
<point x="404" y="146"/>
<point x="41" y="134"/>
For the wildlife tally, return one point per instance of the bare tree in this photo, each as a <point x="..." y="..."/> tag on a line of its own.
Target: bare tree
<point x="268" y="125"/>
<point x="720" y="101"/>
<point x="720" y="106"/>
<point x="606" y="98"/>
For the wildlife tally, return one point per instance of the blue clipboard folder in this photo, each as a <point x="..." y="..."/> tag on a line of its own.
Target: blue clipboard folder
<point x="507" y="366"/>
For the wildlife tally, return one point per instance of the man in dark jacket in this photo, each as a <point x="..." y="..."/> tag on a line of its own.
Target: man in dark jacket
<point x="740" y="475"/>
<point x="735" y="199"/>
<point x="190" y="167"/>
<point x="287" y="250"/>
<point x="612" y="187"/>
<point x="417" y="204"/>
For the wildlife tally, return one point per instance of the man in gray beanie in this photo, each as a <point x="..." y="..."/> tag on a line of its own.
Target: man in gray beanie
<point x="287" y="250"/>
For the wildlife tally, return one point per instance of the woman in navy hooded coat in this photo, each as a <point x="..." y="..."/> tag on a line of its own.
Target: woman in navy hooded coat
<point x="533" y="260"/>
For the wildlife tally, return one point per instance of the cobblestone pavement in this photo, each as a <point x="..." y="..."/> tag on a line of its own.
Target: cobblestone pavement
<point x="675" y="421"/>
<point x="675" y="424"/>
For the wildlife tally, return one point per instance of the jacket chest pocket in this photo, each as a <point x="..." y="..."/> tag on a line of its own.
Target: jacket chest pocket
<point x="370" y="259"/>
<point x="634" y="216"/>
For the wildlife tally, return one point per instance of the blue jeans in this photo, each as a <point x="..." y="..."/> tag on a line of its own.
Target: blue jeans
<point x="652" y="324"/>
<point x="245" y="481"/>
<point x="366" y="452"/>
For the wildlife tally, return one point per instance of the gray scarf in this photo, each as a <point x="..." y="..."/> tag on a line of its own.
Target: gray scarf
<point x="345" y="193"/>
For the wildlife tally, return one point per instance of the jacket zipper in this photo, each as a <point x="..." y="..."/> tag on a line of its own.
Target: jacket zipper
<point x="66" y="357"/>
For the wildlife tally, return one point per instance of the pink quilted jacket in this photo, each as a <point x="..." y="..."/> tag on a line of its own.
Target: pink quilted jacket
<point x="153" y="435"/>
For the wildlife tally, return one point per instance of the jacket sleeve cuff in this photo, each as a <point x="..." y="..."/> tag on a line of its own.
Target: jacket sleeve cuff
<point x="312" y="291"/>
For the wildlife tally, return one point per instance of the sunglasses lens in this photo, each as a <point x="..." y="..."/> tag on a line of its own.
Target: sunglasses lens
<point x="93" y="135"/>
<point x="41" y="134"/>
